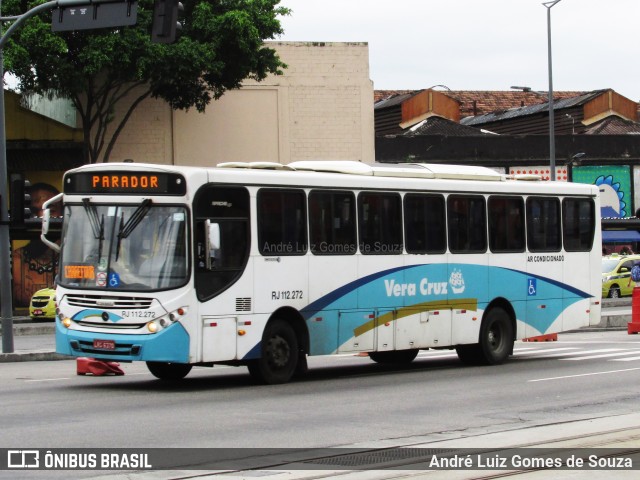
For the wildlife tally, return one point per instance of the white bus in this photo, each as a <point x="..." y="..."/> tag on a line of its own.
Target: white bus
<point x="262" y="265"/>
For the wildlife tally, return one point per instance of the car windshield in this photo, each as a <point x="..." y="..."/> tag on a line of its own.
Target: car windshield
<point x="608" y="264"/>
<point x="124" y="247"/>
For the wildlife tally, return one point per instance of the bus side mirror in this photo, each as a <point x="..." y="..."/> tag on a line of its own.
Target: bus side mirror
<point x="46" y="222"/>
<point x="212" y="247"/>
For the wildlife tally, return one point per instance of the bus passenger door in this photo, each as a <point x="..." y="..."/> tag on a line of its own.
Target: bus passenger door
<point x="356" y="330"/>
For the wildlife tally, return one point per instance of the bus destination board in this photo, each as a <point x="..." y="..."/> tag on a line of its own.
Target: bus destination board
<point x="125" y="182"/>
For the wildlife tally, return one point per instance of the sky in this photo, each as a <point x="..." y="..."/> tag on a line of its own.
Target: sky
<point x="482" y="44"/>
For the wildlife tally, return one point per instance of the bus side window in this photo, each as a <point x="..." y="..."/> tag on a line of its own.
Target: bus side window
<point x="543" y="224"/>
<point x="331" y="223"/>
<point x="424" y="223"/>
<point x="380" y="223"/>
<point x="467" y="223"/>
<point x="282" y="222"/>
<point x="578" y="224"/>
<point x="506" y="224"/>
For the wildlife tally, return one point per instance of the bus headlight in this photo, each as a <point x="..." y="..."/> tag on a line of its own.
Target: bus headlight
<point x="66" y="321"/>
<point x="165" y="321"/>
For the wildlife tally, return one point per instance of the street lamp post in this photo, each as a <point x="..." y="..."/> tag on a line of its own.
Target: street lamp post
<point x="574" y="161"/>
<point x="552" y="139"/>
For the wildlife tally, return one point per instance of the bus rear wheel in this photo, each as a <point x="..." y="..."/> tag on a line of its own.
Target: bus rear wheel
<point x="169" y="371"/>
<point x="496" y="340"/>
<point x="279" y="358"/>
<point x="394" y="356"/>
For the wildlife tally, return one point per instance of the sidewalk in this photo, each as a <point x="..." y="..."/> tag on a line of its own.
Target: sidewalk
<point x="615" y="435"/>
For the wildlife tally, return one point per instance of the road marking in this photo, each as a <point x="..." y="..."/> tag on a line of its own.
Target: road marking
<point x="544" y="350"/>
<point x="604" y="355"/>
<point x="47" y="379"/>
<point x="583" y="375"/>
<point x="628" y="359"/>
<point x="566" y="354"/>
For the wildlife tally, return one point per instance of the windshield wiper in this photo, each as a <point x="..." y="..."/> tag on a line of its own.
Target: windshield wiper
<point x="96" y="225"/>
<point x="92" y="213"/>
<point x="134" y="220"/>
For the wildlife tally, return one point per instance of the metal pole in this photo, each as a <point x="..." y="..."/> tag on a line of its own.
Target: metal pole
<point x="6" y="302"/>
<point x="552" y="136"/>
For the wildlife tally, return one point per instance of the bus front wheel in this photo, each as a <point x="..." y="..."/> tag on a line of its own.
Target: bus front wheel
<point x="279" y="354"/>
<point x="496" y="340"/>
<point x="169" y="371"/>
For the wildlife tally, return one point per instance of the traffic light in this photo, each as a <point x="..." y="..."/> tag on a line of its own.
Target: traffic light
<point x="165" y="20"/>
<point x="20" y="207"/>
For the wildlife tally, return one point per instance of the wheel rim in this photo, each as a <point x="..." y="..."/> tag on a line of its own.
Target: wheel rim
<point x="278" y="352"/>
<point x="495" y="337"/>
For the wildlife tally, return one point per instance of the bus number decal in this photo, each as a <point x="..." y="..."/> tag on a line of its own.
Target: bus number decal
<point x="136" y="314"/>
<point x="287" y="295"/>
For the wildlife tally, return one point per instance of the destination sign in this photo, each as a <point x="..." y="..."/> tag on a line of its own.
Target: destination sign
<point x="157" y="183"/>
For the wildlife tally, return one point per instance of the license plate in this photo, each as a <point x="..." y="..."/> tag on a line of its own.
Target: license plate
<point x="104" y="344"/>
<point x="37" y="311"/>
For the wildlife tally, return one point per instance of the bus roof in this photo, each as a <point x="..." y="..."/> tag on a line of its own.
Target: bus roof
<point x="411" y="170"/>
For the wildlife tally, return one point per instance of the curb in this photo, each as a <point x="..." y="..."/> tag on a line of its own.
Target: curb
<point x="31" y="356"/>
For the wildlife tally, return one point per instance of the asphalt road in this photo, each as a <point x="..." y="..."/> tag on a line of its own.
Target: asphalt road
<point x="344" y="400"/>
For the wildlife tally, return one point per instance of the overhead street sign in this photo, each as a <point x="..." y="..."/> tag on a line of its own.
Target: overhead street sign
<point x="94" y="14"/>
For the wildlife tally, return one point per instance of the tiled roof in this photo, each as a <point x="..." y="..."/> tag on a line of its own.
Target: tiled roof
<point x="613" y="125"/>
<point x="441" y="126"/>
<point x="480" y="102"/>
<point x="498" y="115"/>
<point x="384" y="94"/>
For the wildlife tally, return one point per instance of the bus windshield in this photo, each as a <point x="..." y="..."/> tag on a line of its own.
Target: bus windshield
<point x="124" y="247"/>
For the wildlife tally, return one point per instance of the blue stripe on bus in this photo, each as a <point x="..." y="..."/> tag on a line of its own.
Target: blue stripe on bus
<point x="413" y="285"/>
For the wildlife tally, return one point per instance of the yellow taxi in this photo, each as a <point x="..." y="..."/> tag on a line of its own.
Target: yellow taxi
<point x="616" y="275"/>
<point x="43" y="304"/>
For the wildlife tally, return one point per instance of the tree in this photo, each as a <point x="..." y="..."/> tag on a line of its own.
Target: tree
<point x="220" y="44"/>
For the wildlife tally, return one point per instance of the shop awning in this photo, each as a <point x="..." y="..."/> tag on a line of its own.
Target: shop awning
<point x="612" y="236"/>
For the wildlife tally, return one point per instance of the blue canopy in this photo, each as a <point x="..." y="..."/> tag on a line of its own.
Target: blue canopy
<point x="620" y="236"/>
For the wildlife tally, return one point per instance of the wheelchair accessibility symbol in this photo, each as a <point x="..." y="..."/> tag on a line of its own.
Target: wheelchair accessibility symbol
<point x="533" y="287"/>
<point x="114" y="280"/>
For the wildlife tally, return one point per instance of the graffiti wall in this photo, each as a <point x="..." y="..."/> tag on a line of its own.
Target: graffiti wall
<point x="33" y="264"/>
<point x="614" y="183"/>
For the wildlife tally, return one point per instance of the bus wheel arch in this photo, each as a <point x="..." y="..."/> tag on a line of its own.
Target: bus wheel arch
<point x="284" y="345"/>
<point x="496" y="339"/>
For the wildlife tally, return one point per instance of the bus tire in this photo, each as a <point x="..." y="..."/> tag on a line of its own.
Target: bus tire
<point x="169" y="371"/>
<point x="469" y="354"/>
<point x="394" y="356"/>
<point x="496" y="337"/>
<point x="496" y="340"/>
<point x="279" y="359"/>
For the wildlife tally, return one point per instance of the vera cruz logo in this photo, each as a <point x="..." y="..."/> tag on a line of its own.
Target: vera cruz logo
<point x="456" y="280"/>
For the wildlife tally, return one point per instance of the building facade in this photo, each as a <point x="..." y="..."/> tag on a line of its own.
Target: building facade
<point x="320" y="108"/>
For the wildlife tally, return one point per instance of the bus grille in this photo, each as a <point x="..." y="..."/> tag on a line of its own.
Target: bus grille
<point x="113" y="326"/>
<point x="98" y="301"/>
<point x="243" y="304"/>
